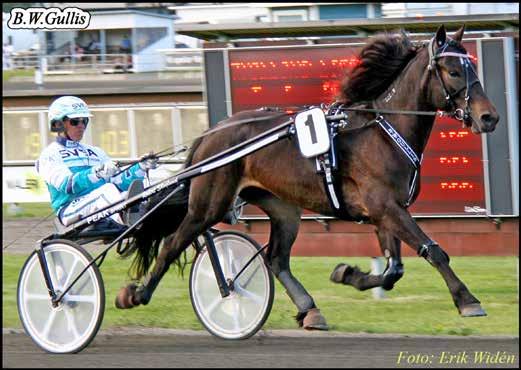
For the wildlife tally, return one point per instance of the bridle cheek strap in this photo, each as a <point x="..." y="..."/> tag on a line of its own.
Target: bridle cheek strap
<point x="459" y="114"/>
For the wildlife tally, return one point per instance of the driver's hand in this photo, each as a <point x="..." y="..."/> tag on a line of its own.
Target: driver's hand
<point x="148" y="162"/>
<point x="105" y="170"/>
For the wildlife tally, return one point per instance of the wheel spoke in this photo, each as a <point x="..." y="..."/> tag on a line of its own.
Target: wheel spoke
<point x="71" y="324"/>
<point x="209" y="310"/>
<point x="30" y="296"/>
<point x="247" y="294"/>
<point x="48" y="324"/>
<point x="235" y="316"/>
<point x="230" y="262"/>
<point x="57" y="264"/>
<point x="81" y="298"/>
<point x="69" y="276"/>
<point x="208" y="273"/>
<point x="247" y="282"/>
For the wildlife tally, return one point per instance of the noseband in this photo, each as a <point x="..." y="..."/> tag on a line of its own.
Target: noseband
<point x="459" y="114"/>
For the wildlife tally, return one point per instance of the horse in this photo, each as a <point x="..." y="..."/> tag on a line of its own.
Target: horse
<point x="375" y="177"/>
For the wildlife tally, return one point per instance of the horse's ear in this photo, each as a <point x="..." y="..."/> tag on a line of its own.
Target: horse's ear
<point x="441" y="36"/>
<point x="458" y="36"/>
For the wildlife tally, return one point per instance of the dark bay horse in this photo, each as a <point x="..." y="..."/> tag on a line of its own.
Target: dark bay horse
<point x="393" y="74"/>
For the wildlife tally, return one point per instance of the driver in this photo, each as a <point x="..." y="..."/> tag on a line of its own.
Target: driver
<point x="81" y="178"/>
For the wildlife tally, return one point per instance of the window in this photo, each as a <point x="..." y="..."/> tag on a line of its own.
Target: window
<point x="110" y="132"/>
<point x="121" y="132"/>
<point x="147" y="36"/>
<point x="194" y="121"/>
<point x="153" y="130"/>
<point x="343" y="11"/>
<point x="290" y="15"/>
<point x="22" y="140"/>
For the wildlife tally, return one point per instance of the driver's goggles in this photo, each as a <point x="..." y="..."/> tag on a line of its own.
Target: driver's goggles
<point x="77" y="121"/>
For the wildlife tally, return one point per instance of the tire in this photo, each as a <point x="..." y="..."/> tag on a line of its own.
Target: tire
<point x="245" y="310"/>
<point x="72" y="325"/>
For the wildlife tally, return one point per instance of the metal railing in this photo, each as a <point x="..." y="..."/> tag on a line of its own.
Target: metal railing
<point x="84" y="62"/>
<point x="180" y="60"/>
<point x="72" y="63"/>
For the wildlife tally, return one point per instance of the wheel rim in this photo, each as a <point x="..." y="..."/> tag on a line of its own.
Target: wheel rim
<point x="69" y="326"/>
<point x="237" y="315"/>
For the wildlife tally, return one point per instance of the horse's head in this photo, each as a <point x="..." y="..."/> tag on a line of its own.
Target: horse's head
<point x="455" y="84"/>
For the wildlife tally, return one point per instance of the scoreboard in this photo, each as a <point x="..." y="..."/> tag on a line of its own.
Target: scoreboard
<point x="455" y="173"/>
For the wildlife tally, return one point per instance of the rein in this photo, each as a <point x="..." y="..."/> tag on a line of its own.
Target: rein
<point x="184" y="148"/>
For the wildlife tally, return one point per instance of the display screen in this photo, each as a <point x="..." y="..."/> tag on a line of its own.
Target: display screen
<point x="452" y="181"/>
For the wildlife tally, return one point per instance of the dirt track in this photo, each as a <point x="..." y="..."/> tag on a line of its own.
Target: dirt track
<point x="187" y="349"/>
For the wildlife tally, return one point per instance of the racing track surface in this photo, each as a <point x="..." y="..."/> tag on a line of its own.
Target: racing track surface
<point x="267" y="349"/>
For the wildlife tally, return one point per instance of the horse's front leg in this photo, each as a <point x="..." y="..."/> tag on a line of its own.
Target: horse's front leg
<point x="399" y="222"/>
<point x="285" y="223"/>
<point x="352" y="275"/>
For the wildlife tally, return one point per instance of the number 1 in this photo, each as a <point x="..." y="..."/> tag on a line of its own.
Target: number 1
<point x="309" y="123"/>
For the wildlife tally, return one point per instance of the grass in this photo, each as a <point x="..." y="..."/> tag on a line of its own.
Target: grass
<point x="26" y="210"/>
<point x="7" y="75"/>
<point x="419" y="304"/>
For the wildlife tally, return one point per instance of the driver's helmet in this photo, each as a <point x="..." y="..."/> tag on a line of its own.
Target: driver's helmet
<point x="66" y="106"/>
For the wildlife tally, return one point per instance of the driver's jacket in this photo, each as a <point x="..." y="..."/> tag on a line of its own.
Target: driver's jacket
<point x="66" y="167"/>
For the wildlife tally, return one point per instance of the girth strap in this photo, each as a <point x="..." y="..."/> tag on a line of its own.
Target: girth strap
<point x="327" y="166"/>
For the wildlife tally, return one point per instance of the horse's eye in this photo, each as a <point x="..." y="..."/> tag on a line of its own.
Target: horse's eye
<point x="454" y="74"/>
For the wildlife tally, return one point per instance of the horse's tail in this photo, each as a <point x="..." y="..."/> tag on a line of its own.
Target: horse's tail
<point x="158" y="227"/>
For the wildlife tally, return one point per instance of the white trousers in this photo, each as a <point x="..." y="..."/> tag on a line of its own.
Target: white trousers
<point x="89" y="203"/>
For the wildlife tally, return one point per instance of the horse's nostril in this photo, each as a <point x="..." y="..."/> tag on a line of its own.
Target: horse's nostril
<point x="489" y="119"/>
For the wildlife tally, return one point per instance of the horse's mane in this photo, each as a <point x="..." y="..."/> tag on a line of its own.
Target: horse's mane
<point x="381" y="61"/>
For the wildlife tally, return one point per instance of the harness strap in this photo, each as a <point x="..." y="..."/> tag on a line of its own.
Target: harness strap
<point x="327" y="166"/>
<point x="406" y="150"/>
<point x="399" y="141"/>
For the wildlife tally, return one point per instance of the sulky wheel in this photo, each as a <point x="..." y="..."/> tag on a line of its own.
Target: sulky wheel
<point x="241" y="314"/>
<point x="71" y="326"/>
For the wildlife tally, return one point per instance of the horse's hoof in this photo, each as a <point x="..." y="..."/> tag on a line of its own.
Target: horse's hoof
<point x="124" y="297"/>
<point x="472" y="310"/>
<point x="337" y="276"/>
<point x="314" y="320"/>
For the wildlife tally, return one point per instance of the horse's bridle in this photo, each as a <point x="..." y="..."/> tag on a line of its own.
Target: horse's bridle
<point x="459" y="114"/>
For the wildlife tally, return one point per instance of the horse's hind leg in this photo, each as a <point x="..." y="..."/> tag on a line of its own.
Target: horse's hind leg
<point x="349" y="275"/>
<point x="390" y="246"/>
<point x="285" y="222"/>
<point x="399" y="222"/>
<point x="207" y="206"/>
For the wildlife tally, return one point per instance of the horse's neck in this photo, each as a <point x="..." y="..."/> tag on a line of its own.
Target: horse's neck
<point x="408" y="93"/>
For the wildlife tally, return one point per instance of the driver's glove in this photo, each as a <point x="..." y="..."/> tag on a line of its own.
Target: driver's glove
<point x="105" y="170"/>
<point x="148" y="162"/>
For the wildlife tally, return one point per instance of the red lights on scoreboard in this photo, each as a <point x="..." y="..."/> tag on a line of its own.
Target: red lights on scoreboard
<point x="296" y="63"/>
<point x="456" y="185"/>
<point x="330" y="87"/>
<point x="454" y="160"/>
<point x="453" y="134"/>
<point x="452" y="177"/>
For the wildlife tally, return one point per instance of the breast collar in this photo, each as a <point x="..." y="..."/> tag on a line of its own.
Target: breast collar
<point x="327" y="166"/>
